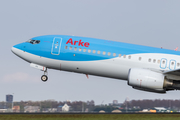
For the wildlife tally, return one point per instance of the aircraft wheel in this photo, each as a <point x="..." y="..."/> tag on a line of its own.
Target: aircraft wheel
<point x="44" y="78"/>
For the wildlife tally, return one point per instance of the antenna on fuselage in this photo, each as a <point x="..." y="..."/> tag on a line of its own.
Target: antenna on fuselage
<point x="176" y="49"/>
<point x="87" y="76"/>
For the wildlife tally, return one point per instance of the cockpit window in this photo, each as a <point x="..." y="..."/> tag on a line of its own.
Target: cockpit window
<point x="34" y="41"/>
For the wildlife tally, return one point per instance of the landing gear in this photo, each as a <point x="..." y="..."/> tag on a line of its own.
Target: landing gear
<point x="44" y="77"/>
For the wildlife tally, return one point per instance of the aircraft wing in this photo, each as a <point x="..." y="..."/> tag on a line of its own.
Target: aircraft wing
<point x="170" y="74"/>
<point x="173" y="72"/>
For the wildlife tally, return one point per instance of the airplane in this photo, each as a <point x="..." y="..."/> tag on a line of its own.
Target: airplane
<point x="144" y="68"/>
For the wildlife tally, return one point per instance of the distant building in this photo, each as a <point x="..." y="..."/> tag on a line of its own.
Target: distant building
<point x="3" y="110"/>
<point x="161" y="109"/>
<point x="64" y="108"/>
<point x="87" y="110"/>
<point x="116" y="111"/>
<point x="16" y="109"/>
<point x="31" y="109"/>
<point x="3" y="107"/>
<point x="152" y="111"/>
<point x="145" y="110"/>
<point x="9" y="98"/>
<point x="115" y="102"/>
<point x="156" y="109"/>
<point x="101" y="111"/>
<point x="59" y="108"/>
<point x="49" y="110"/>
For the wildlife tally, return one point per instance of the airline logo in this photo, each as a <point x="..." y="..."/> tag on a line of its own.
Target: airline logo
<point x="79" y="43"/>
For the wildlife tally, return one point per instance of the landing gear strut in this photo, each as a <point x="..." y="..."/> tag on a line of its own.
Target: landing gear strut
<point x="44" y="77"/>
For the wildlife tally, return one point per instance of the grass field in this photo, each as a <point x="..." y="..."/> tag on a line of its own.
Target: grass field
<point x="89" y="116"/>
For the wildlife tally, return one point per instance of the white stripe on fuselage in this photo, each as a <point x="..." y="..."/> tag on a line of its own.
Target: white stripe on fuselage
<point x="114" y="68"/>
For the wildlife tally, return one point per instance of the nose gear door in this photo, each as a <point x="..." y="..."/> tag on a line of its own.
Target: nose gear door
<point x="56" y="46"/>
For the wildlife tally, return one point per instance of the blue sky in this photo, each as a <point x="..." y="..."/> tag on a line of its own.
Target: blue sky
<point x="151" y="23"/>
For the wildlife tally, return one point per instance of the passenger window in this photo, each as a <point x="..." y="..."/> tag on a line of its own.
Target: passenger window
<point x="104" y="53"/>
<point x="70" y="48"/>
<point x="80" y="49"/>
<point x="163" y="62"/>
<point x="66" y="47"/>
<point x="154" y="61"/>
<point x="84" y="50"/>
<point x="178" y="64"/>
<point x="140" y="58"/>
<point x="114" y="54"/>
<point x="109" y="53"/>
<point x="159" y="61"/>
<point x="94" y="51"/>
<point x="129" y="57"/>
<point x="124" y="56"/>
<point x="75" y="48"/>
<point x="149" y="60"/>
<point x="98" y="52"/>
<point x="172" y="63"/>
<point x="89" y="51"/>
<point x="119" y="55"/>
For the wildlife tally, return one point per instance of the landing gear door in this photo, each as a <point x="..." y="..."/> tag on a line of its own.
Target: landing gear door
<point x="56" y="46"/>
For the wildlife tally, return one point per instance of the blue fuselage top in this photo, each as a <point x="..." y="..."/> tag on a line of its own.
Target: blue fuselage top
<point x="73" y="48"/>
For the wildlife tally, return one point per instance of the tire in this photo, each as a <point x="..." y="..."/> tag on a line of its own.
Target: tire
<point x="44" y="78"/>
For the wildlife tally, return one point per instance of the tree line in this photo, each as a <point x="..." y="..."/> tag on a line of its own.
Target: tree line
<point x="90" y="106"/>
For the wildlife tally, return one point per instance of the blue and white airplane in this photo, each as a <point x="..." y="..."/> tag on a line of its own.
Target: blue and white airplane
<point x="144" y="68"/>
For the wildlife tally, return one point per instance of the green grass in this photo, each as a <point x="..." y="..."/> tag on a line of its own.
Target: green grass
<point x="90" y="117"/>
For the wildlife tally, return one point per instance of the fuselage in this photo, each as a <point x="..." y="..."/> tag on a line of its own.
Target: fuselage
<point x="95" y="56"/>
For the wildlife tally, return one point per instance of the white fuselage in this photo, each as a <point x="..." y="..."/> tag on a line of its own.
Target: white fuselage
<point x="114" y="68"/>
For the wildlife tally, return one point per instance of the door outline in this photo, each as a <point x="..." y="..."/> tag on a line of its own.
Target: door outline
<point x="60" y="41"/>
<point x="170" y="64"/>
<point x="165" y="63"/>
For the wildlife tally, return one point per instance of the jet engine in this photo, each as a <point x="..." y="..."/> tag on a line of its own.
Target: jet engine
<point x="147" y="80"/>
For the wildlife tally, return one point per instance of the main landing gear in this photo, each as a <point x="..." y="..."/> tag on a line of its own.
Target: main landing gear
<point x="44" y="77"/>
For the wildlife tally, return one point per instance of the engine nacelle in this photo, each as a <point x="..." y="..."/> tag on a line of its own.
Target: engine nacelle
<point x="147" y="80"/>
<point x="144" y="78"/>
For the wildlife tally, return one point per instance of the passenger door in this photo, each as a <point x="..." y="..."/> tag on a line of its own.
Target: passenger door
<point x="172" y="64"/>
<point x="56" y="46"/>
<point x="163" y="63"/>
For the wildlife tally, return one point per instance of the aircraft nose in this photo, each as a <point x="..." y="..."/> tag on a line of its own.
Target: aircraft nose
<point x="13" y="49"/>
